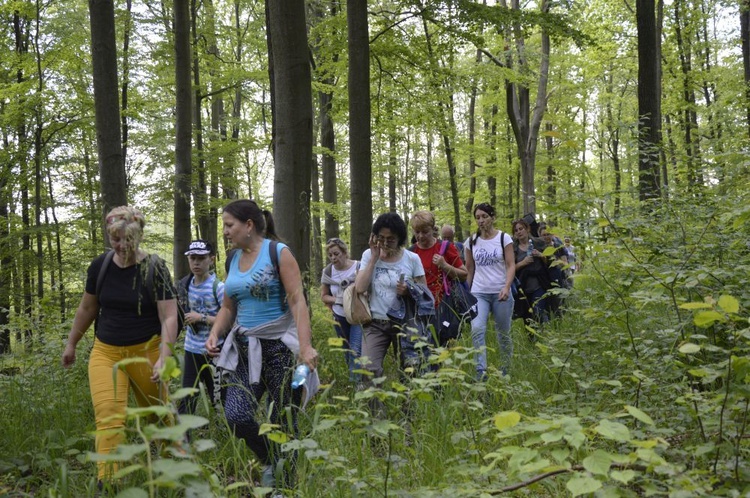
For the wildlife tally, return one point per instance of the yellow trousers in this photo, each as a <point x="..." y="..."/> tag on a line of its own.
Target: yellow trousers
<point x="110" y="389"/>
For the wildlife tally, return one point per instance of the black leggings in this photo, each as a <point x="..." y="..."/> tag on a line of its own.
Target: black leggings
<point x="196" y="369"/>
<point x="243" y="400"/>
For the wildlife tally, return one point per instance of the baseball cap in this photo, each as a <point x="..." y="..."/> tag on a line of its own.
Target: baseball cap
<point x="200" y="247"/>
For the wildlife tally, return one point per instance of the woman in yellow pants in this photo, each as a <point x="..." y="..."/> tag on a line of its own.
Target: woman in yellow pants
<point x="131" y="296"/>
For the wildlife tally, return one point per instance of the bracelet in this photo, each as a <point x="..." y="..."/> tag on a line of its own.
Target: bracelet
<point x="203" y="318"/>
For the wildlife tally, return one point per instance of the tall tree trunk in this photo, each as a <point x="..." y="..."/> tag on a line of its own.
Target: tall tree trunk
<point x="690" y="117"/>
<point x="200" y="189"/>
<point x="183" y="137"/>
<point x="126" y="81"/>
<point x="359" y="125"/>
<point x="468" y="207"/>
<point x="447" y="124"/>
<point x="107" y="106"/>
<point x="524" y="123"/>
<point x="745" y="36"/>
<point x="328" y="163"/>
<point x="551" y="174"/>
<point x="293" y="124"/>
<point x="649" y="110"/>
<point x="21" y="32"/>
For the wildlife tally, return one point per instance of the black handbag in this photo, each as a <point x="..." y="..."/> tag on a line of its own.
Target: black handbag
<point x="457" y="306"/>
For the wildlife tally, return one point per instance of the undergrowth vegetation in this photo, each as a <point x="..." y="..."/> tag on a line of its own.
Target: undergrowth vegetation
<point x="641" y="388"/>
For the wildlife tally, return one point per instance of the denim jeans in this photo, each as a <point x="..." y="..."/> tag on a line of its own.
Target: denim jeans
<point x="352" y="334"/>
<point x="503" y="314"/>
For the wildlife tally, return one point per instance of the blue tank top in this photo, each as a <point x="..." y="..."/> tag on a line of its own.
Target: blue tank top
<point x="256" y="292"/>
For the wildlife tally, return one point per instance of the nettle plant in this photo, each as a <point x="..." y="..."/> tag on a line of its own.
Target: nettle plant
<point x="155" y="454"/>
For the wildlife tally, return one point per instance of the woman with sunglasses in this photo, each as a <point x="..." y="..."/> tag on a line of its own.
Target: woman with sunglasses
<point x="386" y="268"/>
<point x="336" y="277"/>
<point x="489" y="259"/>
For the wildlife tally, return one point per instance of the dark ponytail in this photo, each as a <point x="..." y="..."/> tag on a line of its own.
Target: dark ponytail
<point x="270" y="226"/>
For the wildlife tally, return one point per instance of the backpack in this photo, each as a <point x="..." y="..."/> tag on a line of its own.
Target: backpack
<point x="153" y="260"/>
<point x="456" y="307"/>
<point x="183" y="287"/>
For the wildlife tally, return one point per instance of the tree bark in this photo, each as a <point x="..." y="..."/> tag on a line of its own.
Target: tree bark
<point x="649" y="110"/>
<point x="359" y="125"/>
<point x="107" y="106"/>
<point x="183" y="137"/>
<point x="745" y="36"/>
<point x="293" y="125"/>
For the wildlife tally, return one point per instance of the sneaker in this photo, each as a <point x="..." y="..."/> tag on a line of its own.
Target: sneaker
<point x="267" y="479"/>
<point x="481" y="376"/>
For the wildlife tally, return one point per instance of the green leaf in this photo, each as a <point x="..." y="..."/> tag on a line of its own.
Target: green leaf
<point x="336" y="342"/>
<point x="597" y="463"/>
<point x="175" y="469"/>
<point x="623" y="476"/>
<point x="707" y="318"/>
<point x="583" y="485"/>
<point x="729" y="304"/>
<point x="695" y="306"/>
<point x="689" y="348"/>
<point x="132" y="493"/>
<point x="640" y="415"/>
<point x="613" y="430"/>
<point x="505" y="420"/>
<point x="266" y="428"/>
<point x="278" y="437"/>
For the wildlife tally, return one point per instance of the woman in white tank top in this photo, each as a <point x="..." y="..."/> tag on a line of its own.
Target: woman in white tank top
<point x="491" y="265"/>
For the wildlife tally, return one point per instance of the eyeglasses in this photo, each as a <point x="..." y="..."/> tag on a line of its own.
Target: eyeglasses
<point x="387" y="240"/>
<point x="334" y="240"/>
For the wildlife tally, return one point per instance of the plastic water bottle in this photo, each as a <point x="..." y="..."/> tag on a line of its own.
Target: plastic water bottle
<point x="300" y="375"/>
<point x="530" y="250"/>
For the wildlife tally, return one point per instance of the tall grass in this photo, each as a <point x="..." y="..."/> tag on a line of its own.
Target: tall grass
<point x="608" y="400"/>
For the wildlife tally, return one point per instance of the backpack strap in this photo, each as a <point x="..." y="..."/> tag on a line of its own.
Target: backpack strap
<point x="153" y="260"/>
<point x="216" y="291"/>
<point x="228" y="261"/>
<point x="443" y="248"/>
<point x="103" y="271"/>
<point x="328" y="270"/>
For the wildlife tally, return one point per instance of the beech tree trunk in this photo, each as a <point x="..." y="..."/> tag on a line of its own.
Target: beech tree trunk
<point x="183" y="137"/>
<point x="293" y="124"/>
<point x="359" y="125"/>
<point x="649" y="109"/>
<point x="107" y="106"/>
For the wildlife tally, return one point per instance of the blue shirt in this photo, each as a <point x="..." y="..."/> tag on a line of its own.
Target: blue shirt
<point x="201" y="299"/>
<point x="257" y="292"/>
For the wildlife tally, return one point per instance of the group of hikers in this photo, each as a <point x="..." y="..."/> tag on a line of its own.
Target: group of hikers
<point x="244" y="336"/>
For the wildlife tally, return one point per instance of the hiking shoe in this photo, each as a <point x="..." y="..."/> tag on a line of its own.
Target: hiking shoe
<point x="267" y="479"/>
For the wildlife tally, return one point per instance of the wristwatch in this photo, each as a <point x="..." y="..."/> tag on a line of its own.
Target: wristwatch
<point x="203" y="318"/>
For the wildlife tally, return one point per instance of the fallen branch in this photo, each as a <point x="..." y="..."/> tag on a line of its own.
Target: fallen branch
<point x="540" y="477"/>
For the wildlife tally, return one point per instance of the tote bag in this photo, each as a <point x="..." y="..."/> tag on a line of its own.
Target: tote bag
<point x="356" y="307"/>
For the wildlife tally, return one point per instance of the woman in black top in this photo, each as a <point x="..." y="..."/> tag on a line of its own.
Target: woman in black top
<point x="134" y="304"/>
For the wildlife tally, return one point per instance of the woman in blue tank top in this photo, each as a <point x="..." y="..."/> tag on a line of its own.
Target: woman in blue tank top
<point x="264" y="306"/>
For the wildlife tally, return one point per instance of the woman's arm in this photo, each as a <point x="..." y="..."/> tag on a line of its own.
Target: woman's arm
<point x="167" y="310"/>
<point x="510" y="271"/>
<point x="87" y="311"/>
<point x="325" y="295"/>
<point x="224" y="319"/>
<point x="295" y="298"/>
